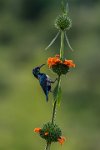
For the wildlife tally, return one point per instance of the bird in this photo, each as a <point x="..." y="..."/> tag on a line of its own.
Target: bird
<point x="44" y="80"/>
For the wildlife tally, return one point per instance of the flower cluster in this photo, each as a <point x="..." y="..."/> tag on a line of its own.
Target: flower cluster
<point x="51" y="133"/>
<point x="59" y="66"/>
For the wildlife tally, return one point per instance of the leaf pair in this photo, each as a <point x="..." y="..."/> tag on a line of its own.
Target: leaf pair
<point x="54" y="39"/>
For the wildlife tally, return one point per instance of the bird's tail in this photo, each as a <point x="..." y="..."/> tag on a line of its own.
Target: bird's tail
<point x="47" y="97"/>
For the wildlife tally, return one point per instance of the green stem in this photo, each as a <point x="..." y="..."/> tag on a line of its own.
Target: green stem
<point x="54" y="112"/>
<point x="62" y="45"/>
<point x="53" y="117"/>
<point x="48" y="146"/>
<point x="55" y="103"/>
<point x="54" y="107"/>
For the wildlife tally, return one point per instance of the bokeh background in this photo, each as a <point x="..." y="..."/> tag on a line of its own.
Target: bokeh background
<point x="26" y="28"/>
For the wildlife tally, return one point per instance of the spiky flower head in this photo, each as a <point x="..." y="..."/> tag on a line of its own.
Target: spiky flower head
<point x="51" y="133"/>
<point x="63" y="22"/>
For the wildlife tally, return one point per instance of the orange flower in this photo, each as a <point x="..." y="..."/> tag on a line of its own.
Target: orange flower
<point x="37" y="130"/>
<point x="61" y="140"/>
<point x="56" y="60"/>
<point x="69" y="63"/>
<point x="46" y="133"/>
<point x="53" y="61"/>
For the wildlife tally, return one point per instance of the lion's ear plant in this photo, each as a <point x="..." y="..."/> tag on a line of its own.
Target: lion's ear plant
<point x="50" y="131"/>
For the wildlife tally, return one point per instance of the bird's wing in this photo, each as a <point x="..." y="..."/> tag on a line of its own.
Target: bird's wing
<point x="45" y="84"/>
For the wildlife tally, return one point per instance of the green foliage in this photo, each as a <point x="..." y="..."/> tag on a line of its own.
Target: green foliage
<point x="57" y="93"/>
<point x="64" y="7"/>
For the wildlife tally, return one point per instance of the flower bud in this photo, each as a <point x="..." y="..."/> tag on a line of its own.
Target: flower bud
<point x="63" y="22"/>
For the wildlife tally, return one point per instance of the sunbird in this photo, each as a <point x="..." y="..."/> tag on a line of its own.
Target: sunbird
<point x="44" y="80"/>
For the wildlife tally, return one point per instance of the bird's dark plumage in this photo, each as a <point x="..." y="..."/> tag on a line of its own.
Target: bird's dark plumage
<point x="45" y="83"/>
<point x="44" y="80"/>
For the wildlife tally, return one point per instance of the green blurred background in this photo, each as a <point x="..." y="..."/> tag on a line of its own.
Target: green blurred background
<point x="26" y="28"/>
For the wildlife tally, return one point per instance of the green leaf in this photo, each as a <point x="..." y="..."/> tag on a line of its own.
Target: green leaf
<point x="57" y="94"/>
<point x="67" y="40"/>
<point x="54" y="39"/>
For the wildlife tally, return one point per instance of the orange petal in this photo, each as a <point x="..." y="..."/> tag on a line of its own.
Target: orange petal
<point x="69" y="63"/>
<point x="46" y="133"/>
<point x="37" y="130"/>
<point x="53" y="61"/>
<point x="61" y="140"/>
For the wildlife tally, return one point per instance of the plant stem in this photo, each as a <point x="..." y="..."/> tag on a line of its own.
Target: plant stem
<point x="48" y="146"/>
<point x="62" y="45"/>
<point x="55" y="103"/>
<point x="54" y="112"/>
<point x="54" y="107"/>
<point x="53" y="117"/>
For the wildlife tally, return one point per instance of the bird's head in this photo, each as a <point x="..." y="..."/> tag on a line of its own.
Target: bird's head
<point x="36" y="70"/>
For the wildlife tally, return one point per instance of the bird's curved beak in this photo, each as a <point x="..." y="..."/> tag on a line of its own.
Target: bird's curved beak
<point x="41" y="65"/>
